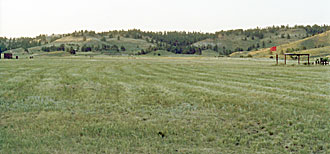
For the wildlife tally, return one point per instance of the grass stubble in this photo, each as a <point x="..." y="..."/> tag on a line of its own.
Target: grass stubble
<point x="163" y="105"/>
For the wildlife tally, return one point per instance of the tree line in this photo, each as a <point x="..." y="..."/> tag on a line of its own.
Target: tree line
<point x="260" y="32"/>
<point x="84" y="48"/>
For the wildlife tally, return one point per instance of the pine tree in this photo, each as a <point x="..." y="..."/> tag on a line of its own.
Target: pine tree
<point x="122" y="48"/>
<point x="216" y="48"/>
<point x="263" y="44"/>
<point x="288" y="36"/>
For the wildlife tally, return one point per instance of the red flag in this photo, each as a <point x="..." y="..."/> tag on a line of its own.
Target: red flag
<point x="273" y="48"/>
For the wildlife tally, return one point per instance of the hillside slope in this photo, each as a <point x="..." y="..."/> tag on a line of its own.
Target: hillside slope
<point x="77" y="42"/>
<point x="223" y="43"/>
<point x="239" y="41"/>
<point x="317" y="45"/>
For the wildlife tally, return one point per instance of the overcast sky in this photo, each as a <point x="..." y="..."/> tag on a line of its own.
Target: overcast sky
<point x="34" y="17"/>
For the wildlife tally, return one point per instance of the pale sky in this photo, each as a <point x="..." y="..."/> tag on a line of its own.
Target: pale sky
<point x="34" y="17"/>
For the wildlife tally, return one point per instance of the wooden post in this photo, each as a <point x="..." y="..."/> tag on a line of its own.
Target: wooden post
<point x="276" y="59"/>
<point x="285" y="59"/>
<point x="308" y="59"/>
<point x="298" y="59"/>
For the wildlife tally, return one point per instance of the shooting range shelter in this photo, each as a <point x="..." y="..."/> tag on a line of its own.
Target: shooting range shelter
<point x="296" y="54"/>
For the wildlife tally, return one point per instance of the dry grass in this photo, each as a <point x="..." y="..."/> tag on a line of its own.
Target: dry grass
<point x="162" y="105"/>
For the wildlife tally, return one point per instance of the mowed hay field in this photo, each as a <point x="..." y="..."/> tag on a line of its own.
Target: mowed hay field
<point x="163" y="105"/>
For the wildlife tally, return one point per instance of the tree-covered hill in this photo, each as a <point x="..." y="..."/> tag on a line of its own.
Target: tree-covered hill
<point x="144" y="42"/>
<point x="317" y="45"/>
<point x="251" y="40"/>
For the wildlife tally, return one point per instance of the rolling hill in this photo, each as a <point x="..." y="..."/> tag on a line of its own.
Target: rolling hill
<point x="318" y="45"/>
<point x="77" y="42"/>
<point x="239" y="41"/>
<point x="236" y="43"/>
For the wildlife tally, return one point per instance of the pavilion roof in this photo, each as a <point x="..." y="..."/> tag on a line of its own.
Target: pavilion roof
<point x="297" y="54"/>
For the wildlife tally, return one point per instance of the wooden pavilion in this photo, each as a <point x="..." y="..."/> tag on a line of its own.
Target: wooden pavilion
<point x="296" y="54"/>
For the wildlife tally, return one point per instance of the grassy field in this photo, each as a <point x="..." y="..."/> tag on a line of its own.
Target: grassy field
<point x="163" y="105"/>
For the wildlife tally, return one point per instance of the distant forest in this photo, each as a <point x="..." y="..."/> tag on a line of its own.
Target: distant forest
<point x="174" y="41"/>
